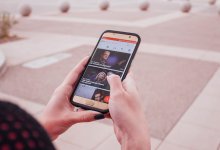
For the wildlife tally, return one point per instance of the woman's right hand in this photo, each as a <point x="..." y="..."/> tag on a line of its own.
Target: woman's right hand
<point x="126" y="111"/>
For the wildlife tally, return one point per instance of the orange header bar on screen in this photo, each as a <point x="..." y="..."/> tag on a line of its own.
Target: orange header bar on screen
<point x="120" y="40"/>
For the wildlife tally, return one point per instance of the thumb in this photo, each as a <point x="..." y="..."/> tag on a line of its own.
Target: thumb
<point x="115" y="83"/>
<point x="129" y="83"/>
<point x="86" y="116"/>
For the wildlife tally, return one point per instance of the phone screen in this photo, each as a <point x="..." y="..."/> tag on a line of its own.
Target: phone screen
<point x="111" y="56"/>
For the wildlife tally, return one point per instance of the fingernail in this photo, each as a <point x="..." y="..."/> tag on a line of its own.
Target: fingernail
<point x="99" y="116"/>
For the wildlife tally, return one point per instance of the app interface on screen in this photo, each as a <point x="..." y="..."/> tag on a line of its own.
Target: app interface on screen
<point x="111" y="57"/>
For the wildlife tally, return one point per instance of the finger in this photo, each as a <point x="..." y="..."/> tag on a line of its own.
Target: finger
<point x="74" y="74"/>
<point x="85" y="116"/>
<point x="78" y="109"/>
<point x="129" y="83"/>
<point x="63" y="90"/>
<point x="115" y="83"/>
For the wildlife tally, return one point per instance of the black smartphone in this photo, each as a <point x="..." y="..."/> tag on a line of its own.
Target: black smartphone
<point x="113" y="54"/>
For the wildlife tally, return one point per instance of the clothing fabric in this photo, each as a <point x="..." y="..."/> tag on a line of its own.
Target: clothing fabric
<point x="20" y="131"/>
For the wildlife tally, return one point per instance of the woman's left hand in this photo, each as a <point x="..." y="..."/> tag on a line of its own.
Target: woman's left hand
<point x="59" y="113"/>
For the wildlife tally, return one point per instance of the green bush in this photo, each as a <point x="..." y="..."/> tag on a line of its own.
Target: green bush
<point x="6" y="23"/>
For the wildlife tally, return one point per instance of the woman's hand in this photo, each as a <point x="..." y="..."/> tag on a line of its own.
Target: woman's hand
<point x="59" y="113"/>
<point x="127" y="114"/>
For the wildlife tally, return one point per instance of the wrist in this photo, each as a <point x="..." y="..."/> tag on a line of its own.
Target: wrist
<point x="49" y="127"/>
<point x="136" y="137"/>
<point x="140" y="141"/>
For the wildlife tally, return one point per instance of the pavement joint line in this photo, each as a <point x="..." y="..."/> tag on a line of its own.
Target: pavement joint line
<point x="182" y="121"/>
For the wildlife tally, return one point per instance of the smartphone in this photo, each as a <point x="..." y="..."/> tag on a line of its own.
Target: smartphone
<point x="113" y="54"/>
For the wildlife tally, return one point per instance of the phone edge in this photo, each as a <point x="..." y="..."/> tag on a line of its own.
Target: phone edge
<point x="123" y="77"/>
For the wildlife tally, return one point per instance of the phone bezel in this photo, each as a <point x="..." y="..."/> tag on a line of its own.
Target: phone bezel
<point x="123" y="77"/>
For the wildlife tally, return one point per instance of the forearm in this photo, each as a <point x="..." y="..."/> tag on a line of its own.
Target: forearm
<point x="48" y="127"/>
<point x="139" y="142"/>
<point x="136" y="137"/>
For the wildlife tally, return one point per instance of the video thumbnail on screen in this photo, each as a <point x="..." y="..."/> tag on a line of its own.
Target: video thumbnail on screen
<point x="101" y="96"/>
<point x="110" y="59"/>
<point x="98" y="77"/>
<point x="93" y="93"/>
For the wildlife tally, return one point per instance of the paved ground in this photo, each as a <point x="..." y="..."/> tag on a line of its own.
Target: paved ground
<point x="179" y="82"/>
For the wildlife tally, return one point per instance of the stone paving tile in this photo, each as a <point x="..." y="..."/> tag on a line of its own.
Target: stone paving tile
<point x="143" y="23"/>
<point x="213" y="57"/>
<point x="207" y="102"/>
<point x="67" y="28"/>
<point x="171" y="146"/>
<point x="193" y="137"/>
<point x="195" y="31"/>
<point x="109" y="144"/>
<point x="87" y="135"/>
<point x="198" y="129"/>
<point x="169" y="86"/>
<point x="211" y="10"/>
<point x="112" y="144"/>
<point x="201" y="117"/>
<point x="72" y="28"/>
<point x="188" y="53"/>
<point x="208" y="116"/>
<point x="62" y="145"/>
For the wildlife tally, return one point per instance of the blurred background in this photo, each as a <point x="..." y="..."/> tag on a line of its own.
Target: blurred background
<point x="176" y="67"/>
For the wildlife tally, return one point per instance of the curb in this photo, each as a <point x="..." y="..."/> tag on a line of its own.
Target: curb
<point x="2" y="63"/>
